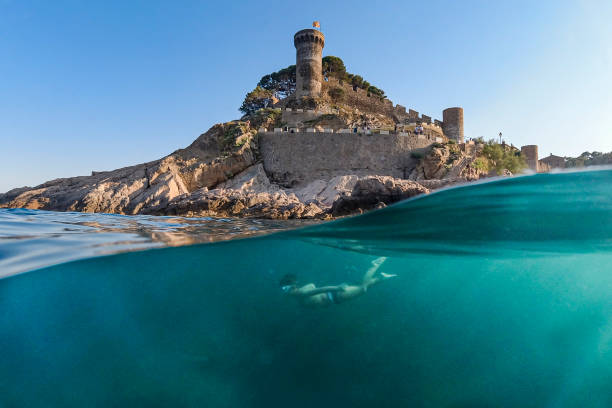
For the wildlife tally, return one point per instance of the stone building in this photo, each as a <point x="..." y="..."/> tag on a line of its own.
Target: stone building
<point x="452" y="123"/>
<point x="530" y="153"/>
<point x="553" y="162"/>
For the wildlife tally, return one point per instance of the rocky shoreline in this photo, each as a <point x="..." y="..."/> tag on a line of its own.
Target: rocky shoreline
<point x="220" y="174"/>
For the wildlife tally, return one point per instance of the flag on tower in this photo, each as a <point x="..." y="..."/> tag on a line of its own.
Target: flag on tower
<point x="316" y="24"/>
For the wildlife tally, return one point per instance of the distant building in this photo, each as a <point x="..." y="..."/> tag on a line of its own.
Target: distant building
<point x="553" y="162"/>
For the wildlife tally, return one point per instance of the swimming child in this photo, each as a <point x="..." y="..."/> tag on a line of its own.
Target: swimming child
<point x="310" y="295"/>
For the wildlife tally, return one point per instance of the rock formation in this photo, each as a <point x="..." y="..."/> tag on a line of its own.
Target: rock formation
<point x="214" y="157"/>
<point x="220" y="174"/>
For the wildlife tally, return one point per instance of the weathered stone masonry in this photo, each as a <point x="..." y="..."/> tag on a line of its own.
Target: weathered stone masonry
<point x="309" y="66"/>
<point x="291" y="158"/>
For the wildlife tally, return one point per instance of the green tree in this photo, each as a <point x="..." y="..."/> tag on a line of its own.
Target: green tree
<point x="501" y="158"/>
<point x="281" y="83"/>
<point x="356" y="80"/>
<point x="258" y="98"/>
<point x="376" y="91"/>
<point x="334" y="67"/>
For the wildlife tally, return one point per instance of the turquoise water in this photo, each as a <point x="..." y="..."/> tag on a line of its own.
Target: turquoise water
<point x="31" y="239"/>
<point x="503" y="298"/>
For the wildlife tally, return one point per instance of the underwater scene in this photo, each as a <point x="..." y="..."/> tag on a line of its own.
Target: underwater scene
<point x="495" y="294"/>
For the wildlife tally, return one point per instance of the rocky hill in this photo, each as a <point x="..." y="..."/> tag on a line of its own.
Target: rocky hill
<point x="221" y="173"/>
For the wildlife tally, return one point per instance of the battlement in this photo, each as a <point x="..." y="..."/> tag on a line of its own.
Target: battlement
<point x="432" y="137"/>
<point x="309" y="35"/>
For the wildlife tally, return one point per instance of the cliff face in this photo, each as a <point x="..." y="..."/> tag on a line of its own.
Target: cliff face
<point x="449" y="163"/>
<point x="212" y="158"/>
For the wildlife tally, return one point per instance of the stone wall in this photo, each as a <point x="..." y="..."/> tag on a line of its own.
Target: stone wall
<point x="293" y="158"/>
<point x="297" y="117"/>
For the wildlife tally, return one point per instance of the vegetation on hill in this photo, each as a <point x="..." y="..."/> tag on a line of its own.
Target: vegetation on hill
<point x="589" y="159"/>
<point x="258" y="98"/>
<point x="499" y="158"/>
<point x="334" y="67"/>
<point x="281" y="84"/>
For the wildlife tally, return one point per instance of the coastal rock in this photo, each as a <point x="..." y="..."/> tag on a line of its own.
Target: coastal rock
<point x="221" y="174"/>
<point x="235" y="203"/>
<point x="250" y="194"/>
<point x="376" y="192"/>
<point x="214" y="157"/>
<point x="326" y="192"/>
<point x="449" y="164"/>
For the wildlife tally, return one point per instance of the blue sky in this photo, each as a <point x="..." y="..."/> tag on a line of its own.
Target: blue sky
<point x="99" y="85"/>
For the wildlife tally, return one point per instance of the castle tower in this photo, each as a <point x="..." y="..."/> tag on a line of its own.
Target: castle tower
<point x="530" y="153"/>
<point x="309" y="45"/>
<point x="452" y="127"/>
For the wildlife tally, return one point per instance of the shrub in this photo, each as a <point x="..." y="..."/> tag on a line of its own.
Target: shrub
<point x="337" y="94"/>
<point x="481" y="164"/>
<point x="376" y="91"/>
<point x="230" y="137"/>
<point x="417" y="155"/>
<point x="333" y="67"/>
<point x="500" y="158"/>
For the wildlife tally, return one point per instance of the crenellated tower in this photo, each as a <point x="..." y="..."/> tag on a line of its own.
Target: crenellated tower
<point x="309" y="45"/>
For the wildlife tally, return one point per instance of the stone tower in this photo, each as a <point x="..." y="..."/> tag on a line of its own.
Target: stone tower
<point x="452" y="127"/>
<point x="309" y="45"/>
<point x="530" y="153"/>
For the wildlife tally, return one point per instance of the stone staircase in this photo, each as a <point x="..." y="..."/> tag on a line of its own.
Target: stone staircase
<point x="455" y="172"/>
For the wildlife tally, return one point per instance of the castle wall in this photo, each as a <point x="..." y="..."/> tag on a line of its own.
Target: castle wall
<point x="290" y="158"/>
<point x="296" y="118"/>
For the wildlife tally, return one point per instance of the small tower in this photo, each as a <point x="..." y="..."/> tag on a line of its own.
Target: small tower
<point x="452" y="127"/>
<point x="309" y="45"/>
<point x="530" y="153"/>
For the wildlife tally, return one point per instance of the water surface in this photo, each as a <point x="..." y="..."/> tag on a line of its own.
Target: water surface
<point x="503" y="298"/>
<point x="31" y="239"/>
